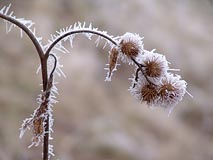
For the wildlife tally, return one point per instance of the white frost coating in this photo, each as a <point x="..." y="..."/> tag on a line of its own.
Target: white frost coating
<point x="75" y="28"/>
<point x="97" y="41"/>
<point x="28" y="23"/>
<point x="109" y="75"/>
<point x="7" y="9"/>
<point x="10" y="27"/>
<point x="63" y="48"/>
<point x="39" y="69"/>
<point x="175" y="70"/>
<point x="51" y="151"/>
<point x="59" y="69"/>
<point x="105" y="44"/>
<point x="71" y="40"/>
<point x="21" y="33"/>
<point x="2" y="10"/>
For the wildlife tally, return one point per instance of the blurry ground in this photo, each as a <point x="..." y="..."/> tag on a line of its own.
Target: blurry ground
<point x="96" y="120"/>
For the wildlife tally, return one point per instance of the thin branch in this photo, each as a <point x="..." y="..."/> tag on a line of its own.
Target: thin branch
<point x="44" y="74"/>
<point x="47" y="126"/>
<point x="54" y="67"/>
<point x="136" y="77"/>
<point x="141" y="69"/>
<point x="27" y="31"/>
<point x="76" y="32"/>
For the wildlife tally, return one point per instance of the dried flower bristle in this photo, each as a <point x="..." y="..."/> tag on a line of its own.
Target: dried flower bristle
<point x="144" y="91"/>
<point x="112" y="60"/>
<point x="152" y="69"/>
<point x="155" y="66"/>
<point x="171" y="90"/>
<point x="131" y="45"/>
<point x="149" y="93"/>
<point x="167" y="88"/>
<point x="130" y="49"/>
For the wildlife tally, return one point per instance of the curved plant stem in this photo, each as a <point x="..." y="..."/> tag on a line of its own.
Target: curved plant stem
<point x="48" y="90"/>
<point x="27" y="31"/>
<point x="55" y="64"/>
<point x="43" y="61"/>
<point x="141" y="69"/>
<point x="76" y="32"/>
<point x="35" y="42"/>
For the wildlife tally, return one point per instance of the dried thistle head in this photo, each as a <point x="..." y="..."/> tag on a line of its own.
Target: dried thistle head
<point x="129" y="48"/>
<point x="131" y="45"/>
<point x="149" y="94"/>
<point x="171" y="90"/>
<point x="144" y="91"/>
<point x="155" y="66"/>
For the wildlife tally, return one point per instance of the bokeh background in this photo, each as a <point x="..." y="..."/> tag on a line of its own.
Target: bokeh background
<point x="97" y="120"/>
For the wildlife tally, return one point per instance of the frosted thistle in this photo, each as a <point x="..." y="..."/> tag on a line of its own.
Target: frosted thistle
<point x="144" y="91"/>
<point x="171" y="90"/>
<point x="155" y="66"/>
<point x="131" y="45"/>
<point x="152" y="83"/>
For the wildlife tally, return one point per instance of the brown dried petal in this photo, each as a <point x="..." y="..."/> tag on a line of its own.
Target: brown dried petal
<point x="112" y="59"/>
<point x="38" y="127"/>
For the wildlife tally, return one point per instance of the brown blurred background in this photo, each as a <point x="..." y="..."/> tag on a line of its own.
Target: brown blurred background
<point x="97" y="120"/>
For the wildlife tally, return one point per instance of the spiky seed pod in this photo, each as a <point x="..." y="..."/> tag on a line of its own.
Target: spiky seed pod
<point x="171" y="90"/>
<point x="131" y="45"/>
<point x="149" y="94"/>
<point x="143" y="91"/>
<point x="155" y="66"/>
<point x="113" y="57"/>
<point x="129" y="48"/>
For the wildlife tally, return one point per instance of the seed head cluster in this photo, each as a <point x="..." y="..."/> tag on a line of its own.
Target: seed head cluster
<point x="152" y="82"/>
